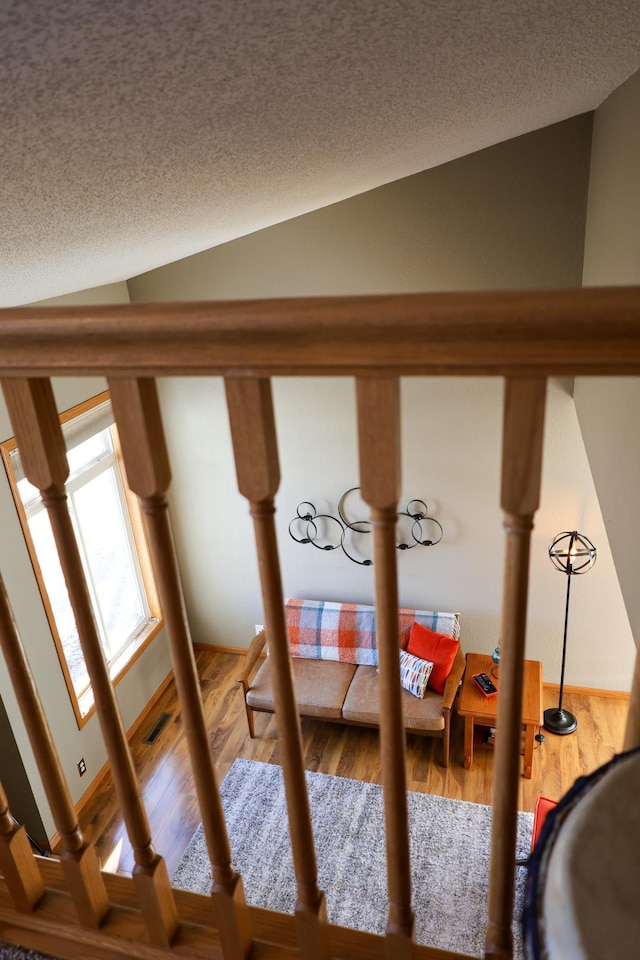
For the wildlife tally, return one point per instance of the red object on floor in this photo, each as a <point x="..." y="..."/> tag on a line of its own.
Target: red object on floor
<point x="543" y="806"/>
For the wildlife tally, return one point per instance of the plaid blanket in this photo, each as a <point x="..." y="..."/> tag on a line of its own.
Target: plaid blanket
<point x="321" y="630"/>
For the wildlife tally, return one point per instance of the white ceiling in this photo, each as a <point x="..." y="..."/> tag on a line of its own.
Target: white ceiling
<point x="136" y="133"/>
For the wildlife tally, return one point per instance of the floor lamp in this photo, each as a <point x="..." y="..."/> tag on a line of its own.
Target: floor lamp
<point x="571" y="553"/>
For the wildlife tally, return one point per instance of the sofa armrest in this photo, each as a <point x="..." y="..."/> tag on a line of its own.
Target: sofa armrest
<point x="453" y="680"/>
<point x="253" y="654"/>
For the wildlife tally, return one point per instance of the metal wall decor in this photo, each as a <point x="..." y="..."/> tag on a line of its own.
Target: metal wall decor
<point x="324" y="531"/>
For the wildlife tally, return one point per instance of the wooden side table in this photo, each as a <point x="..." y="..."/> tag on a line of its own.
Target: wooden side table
<point x="481" y="712"/>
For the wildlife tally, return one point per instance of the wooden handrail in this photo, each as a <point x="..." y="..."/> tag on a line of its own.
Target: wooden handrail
<point x="528" y="333"/>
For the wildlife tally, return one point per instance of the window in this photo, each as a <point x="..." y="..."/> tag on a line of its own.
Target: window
<point x="112" y="546"/>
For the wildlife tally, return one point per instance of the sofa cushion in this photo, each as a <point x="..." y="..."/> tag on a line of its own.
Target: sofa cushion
<point x="414" y="674"/>
<point x="436" y="647"/>
<point x="321" y="687"/>
<point x="362" y="703"/>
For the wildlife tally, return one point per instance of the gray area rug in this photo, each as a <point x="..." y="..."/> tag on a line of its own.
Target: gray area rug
<point x="450" y="850"/>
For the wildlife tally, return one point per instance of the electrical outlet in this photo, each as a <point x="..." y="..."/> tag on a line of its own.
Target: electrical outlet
<point x="82" y="767"/>
<point x="259" y="627"/>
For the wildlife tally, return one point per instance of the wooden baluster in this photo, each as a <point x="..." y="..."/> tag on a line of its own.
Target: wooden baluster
<point x="17" y="863"/>
<point x="379" y="446"/>
<point x="79" y="860"/>
<point x="35" y="422"/>
<point x="524" y="406"/>
<point x="137" y="413"/>
<point x="632" y="731"/>
<point x="256" y="454"/>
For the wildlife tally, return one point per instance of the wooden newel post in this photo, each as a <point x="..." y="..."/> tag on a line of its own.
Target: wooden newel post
<point x="379" y="445"/>
<point x="524" y="406"/>
<point x="17" y="863"/>
<point x="37" y="429"/>
<point x="79" y="859"/>
<point x="256" y="455"/>
<point x="144" y="450"/>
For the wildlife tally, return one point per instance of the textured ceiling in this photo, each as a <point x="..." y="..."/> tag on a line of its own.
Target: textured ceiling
<point x="136" y="133"/>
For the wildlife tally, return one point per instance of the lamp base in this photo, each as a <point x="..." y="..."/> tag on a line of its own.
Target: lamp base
<point x="559" y="721"/>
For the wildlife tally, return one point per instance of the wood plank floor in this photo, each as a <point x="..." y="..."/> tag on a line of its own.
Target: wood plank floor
<point x="165" y="778"/>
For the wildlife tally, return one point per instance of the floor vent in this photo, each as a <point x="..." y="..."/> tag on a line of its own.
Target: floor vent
<point x="156" y="730"/>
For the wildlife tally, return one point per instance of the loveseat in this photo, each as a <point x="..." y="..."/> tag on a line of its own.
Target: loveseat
<point x="334" y="653"/>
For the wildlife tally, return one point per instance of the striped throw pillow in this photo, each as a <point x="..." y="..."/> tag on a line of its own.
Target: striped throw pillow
<point x="414" y="673"/>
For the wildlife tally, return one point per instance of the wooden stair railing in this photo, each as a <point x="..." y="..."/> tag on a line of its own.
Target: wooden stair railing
<point x="378" y="405"/>
<point x="255" y="448"/>
<point x="524" y="405"/>
<point x="540" y="333"/>
<point x="34" y="419"/>
<point x="17" y="862"/>
<point x="144" y="450"/>
<point x="72" y="909"/>
<point x="79" y="860"/>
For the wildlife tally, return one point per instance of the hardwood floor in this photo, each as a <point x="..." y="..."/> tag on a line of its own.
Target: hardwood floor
<point x="164" y="771"/>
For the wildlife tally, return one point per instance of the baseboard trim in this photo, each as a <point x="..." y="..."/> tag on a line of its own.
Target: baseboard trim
<point x="217" y="648"/>
<point x="590" y="691"/>
<point x="105" y="771"/>
<point x="149" y="707"/>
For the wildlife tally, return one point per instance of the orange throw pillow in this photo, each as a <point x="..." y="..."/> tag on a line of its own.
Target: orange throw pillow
<point x="438" y="648"/>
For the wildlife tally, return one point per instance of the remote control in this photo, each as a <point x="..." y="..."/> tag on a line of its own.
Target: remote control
<point x="486" y="684"/>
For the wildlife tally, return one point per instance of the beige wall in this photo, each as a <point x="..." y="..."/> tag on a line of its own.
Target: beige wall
<point x="145" y="676"/>
<point x="612" y="256"/>
<point x="109" y="293"/>
<point x="612" y="240"/>
<point x="511" y="216"/>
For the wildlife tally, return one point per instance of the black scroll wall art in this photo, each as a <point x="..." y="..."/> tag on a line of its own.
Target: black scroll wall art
<point x="327" y="532"/>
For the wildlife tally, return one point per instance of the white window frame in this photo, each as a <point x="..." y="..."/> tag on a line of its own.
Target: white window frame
<point x="81" y="422"/>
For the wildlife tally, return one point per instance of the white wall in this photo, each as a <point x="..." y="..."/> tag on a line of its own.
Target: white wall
<point x="136" y="687"/>
<point x="606" y="406"/>
<point x="511" y="216"/>
<point x="612" y="238"/>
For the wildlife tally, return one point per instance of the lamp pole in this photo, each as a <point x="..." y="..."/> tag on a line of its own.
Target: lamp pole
<point x="571" y="553"/>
